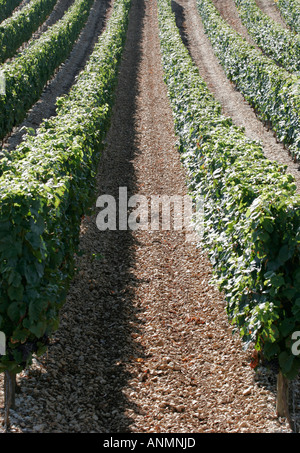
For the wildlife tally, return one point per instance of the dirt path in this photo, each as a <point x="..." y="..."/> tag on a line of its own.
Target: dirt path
<point x="144" y="344"/>
<point x="65" y="75"/>
<point x="233" y="103"/>
<point x="269" y="8"/>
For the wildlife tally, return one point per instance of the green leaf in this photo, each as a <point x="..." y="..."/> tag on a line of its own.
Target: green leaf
<point x="38" y="329"/>
<point x="277" y="281"/>
<point x="285" y="361"/>
<point x="15" y="293"/>
<point x="284" y="254"/>
<point x="271" y="350"/>
<point x="268" y="225"/>
<point x="36" y="307"/>
<point x="31" y="275"/>
<point x="287" y="326"/>
<point x="20" y="335"/>
<point x="34" y="239"/>
<point x="296" y="307"/>
<point x="13" y="311"/>
<point x="14" y="279"/>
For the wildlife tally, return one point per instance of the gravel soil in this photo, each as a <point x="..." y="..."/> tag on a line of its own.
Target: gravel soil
<point x="144" y="345"/>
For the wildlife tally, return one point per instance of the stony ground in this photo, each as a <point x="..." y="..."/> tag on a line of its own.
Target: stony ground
<point x="144" y="345"/>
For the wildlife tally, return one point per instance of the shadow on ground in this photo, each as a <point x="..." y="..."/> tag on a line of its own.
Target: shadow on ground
<point x="78" y="386"/>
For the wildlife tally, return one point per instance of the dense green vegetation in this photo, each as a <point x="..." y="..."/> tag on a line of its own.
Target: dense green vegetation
<point x="290" y="11"/>
<point x="27" y="74"/>
<point x="272" y="91"/>
<point x="18" y="29"/>
<point x="7" y="7"/>
<point x="282" y="45"/>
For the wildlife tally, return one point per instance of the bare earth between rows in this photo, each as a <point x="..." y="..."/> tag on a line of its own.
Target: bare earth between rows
<point x="144" y="344"/>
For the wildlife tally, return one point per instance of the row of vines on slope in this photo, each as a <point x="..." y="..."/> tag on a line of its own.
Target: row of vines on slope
<point x="282" y="45"/>
<point x="46" y="185"/>
<point x="17" y="29"/>
<point x="290" y="11"/>
<point x="27" y="74"/>
<point x="251" y="209"/>
<point x="272" y="91"/>
<point x="7" y="7"/>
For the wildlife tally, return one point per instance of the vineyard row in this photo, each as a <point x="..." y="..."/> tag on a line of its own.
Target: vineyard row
<point x="46" y="185"/>
<point x="7" y="7"/>
<point x="271" y="91"/>
<point x="19" y="28"/>
<point x="290" y="11"/>
<point x="282" y="45"/>
<point x="251" y="211"/>
<point x="26" y="75"/>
